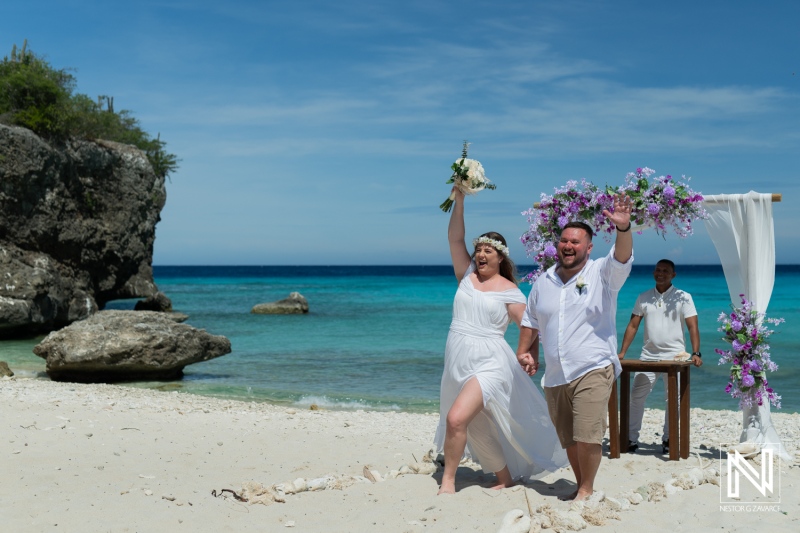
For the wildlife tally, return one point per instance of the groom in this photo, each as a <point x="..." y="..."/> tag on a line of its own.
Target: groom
<point x="574" y="305"/>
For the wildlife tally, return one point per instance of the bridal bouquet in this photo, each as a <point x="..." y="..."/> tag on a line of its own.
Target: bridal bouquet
<point x="749" y="358"/>
<point x="658" y="203"/>
<point x="469" y="177"/>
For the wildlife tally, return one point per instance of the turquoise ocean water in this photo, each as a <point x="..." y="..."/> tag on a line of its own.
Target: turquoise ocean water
<point x="375" y="335"/>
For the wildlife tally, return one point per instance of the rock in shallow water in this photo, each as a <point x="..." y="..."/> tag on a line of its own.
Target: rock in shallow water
<point x="295" y="304"/>
<point x="4" y="370"/>
<point x="157" y="302"/>
<point x="127" y="346"/>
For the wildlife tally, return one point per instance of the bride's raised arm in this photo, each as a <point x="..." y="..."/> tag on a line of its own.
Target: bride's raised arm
<point x="455" y="235"/>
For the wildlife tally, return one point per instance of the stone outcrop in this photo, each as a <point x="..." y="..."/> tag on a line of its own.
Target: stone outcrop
<point x="114" y="346"/>
<point x="77" y="227"/>
<point x="295" y="304"/>
<point x="4" y="370"/>
<point x="157" y="302"/>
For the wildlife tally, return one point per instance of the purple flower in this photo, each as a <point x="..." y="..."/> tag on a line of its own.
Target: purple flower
<point x="738" y="346"/>
<point x="748" y="380"/>
<point x="728" y="388"/>
<point x="736" y="325"/>
<point x="550" y="251"/>
<point x="653" y="209"/>
<point x="563" y="221"/>
<point x="669" y="191"/>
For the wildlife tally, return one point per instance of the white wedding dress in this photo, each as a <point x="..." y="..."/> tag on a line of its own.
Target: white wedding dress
<point x="514" y="428"/>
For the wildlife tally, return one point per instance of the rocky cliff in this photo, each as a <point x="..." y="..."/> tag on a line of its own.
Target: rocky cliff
<point x="77" y="227"/>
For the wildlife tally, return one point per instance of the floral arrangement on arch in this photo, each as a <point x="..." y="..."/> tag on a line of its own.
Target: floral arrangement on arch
<point x="749" y="358"/>
<point x="661" y="203"/>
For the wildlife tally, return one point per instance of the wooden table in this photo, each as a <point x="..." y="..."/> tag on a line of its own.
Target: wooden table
<point x="679" y="427"/>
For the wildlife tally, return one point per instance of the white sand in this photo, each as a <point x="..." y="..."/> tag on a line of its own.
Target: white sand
<point x="88" y="458"/>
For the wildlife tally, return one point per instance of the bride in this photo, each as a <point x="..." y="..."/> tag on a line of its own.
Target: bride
<point x="488" y="403"/>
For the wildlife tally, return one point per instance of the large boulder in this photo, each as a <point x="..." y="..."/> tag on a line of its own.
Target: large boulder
<point x="77" y="227"/>
<point x="295" y="304"/>
<point x="127" y="346"/>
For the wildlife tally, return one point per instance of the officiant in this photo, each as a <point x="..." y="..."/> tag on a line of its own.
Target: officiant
<point x="665" y="309"/>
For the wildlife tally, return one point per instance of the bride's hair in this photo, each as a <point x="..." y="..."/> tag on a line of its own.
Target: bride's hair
<point x="507" y="268"/>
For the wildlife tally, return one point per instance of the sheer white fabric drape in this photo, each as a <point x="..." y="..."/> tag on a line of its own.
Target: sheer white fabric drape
<point x="741" y="227"/>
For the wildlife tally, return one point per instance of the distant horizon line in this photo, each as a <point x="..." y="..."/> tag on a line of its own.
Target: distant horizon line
<point x="518" y="265"/>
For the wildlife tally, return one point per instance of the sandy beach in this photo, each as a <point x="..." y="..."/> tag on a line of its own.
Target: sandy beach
<point x="90" y="458"/>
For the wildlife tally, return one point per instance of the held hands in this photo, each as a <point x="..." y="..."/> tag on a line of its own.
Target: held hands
<point x="528" y="363"/>
<point x="621" y="217"/>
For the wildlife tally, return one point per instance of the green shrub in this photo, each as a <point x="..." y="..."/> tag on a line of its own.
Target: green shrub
<point x="41" y="98"/>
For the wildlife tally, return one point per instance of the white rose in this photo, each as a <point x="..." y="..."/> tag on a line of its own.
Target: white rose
<point x="476" y="177"/>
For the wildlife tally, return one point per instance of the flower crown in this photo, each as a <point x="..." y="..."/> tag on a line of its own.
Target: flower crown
<point x="499" y="246"/>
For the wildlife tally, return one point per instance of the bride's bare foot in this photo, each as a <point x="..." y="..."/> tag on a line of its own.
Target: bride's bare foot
<point x="582" y="495"/>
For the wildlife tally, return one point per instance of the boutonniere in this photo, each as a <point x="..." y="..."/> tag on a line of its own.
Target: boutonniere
<point x="581" y="284"/>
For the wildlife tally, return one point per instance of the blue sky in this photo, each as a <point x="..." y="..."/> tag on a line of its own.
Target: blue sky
<point x="318" y="133"/>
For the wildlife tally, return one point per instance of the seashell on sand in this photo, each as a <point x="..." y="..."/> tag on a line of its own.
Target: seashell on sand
<point x="320" y="483"/>
<point x="745" y="448"/>
<point x="515" y="521"/>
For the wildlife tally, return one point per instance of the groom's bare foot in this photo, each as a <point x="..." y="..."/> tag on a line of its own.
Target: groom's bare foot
<point x="500" y="485"/>
<point x="568" y="497"/>
<point x="583" y="495"/>
<point x="447" y="488"/>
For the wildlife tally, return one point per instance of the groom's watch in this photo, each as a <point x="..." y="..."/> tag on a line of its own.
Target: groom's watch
<point x="697" y="354"/>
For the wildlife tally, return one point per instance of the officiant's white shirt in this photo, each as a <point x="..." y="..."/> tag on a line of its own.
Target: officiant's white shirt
<point x="578" y="326"/>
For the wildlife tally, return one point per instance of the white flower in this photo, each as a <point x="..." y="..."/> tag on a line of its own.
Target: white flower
<point x="581" y="284"/>
<point x="499" y="246"/>
<point x="476" y="177"/>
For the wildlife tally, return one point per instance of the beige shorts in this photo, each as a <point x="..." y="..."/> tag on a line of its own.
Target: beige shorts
<point x="579" y="409"/>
